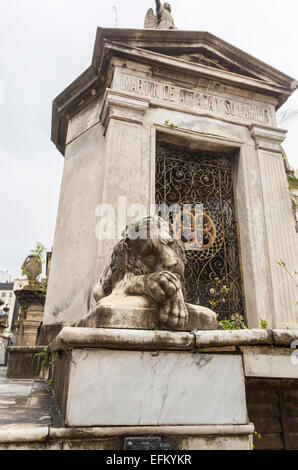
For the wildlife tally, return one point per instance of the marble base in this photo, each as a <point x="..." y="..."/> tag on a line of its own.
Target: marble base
<point x="231" y="437"/>
<point x="100" y="387"/>
<point x="135" y="312"/>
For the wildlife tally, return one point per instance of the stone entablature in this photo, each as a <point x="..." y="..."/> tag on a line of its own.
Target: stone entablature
<point x="197" y="99"/>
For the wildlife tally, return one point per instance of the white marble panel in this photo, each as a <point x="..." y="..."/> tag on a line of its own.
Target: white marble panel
<point x="273" y="366"/>
<point x="141" y="388"/>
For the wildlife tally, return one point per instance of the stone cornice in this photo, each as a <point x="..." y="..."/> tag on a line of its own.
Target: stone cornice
<point x="268" y="138"/>
<point x="113" y="338"/>
<point x="121" y="107"/>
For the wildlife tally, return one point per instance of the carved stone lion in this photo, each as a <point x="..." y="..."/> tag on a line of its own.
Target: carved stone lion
<point x="150" y="262"/>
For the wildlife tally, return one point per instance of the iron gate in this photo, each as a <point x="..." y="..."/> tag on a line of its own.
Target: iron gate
<point x="212" y="273"/>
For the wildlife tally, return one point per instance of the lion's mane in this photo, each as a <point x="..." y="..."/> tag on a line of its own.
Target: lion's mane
<point x="124" y="257"/>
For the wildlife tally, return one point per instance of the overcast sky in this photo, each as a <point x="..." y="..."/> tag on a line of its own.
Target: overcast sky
<point x="46" y="44"/>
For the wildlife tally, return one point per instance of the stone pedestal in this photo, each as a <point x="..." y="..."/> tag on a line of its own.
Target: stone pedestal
<point x="157" y="379"/>
<point x="22" y="359"/>
<point x="31" y="324"/>
<point x="31" y="299"/>
<point x="136" y="312"/>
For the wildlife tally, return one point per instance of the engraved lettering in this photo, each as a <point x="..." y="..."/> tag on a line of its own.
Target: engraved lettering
<point x="166" y="92"/>
<point x="197" y="98"/>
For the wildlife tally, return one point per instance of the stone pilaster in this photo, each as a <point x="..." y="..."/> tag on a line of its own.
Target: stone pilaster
<point x="279" y="225"/>
<point x="31" y="324"/>
<point x="127" y="177"/>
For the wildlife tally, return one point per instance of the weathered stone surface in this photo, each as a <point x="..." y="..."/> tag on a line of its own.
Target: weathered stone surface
<point x="134" y="312"/>
<point x="218" y="437"/>
<point x="70" y="338"/>
<point x="232" y="337"/>
<point x="270" y="362"/>
<point x="166" y="388"/>
<point x="107" y="431"/>
<point x="286" y="338"/>
<point x="75" y="239"/>
<point x="47" y="333"/>
<point x="23" y="363"/>
<point x="23" y="434"/>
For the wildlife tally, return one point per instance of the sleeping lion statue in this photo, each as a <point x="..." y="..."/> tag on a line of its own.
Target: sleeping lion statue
<point x="149" y="262"/>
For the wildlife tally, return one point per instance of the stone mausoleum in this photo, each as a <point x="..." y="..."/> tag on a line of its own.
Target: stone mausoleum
<point x="164" y="116"/>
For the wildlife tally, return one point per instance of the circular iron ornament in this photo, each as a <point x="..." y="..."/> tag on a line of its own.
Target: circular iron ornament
<point x="195" y="230"/>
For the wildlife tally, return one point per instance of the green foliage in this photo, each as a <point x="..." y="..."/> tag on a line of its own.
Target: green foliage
<point x="45" y="355"/>
<point x="264" y="324"/>
<point x="170" y="124"/>
<point x="24" y="310"/>
<point x="293" y="184"/>
<point x="24" y="272"/>
<point x="282" y="264"/>
<point x="236" y="322"/>
<point x="230" y="325"/>
<point x="39" y="252"/>
<point x="219" y="293"/>
<point x="43" y="285"/>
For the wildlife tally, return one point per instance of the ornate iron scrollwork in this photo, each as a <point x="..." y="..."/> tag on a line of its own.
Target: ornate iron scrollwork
<point x="184" y="177"/>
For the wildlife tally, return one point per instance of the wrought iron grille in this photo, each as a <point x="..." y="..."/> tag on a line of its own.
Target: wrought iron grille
<point x="212" y="273"/>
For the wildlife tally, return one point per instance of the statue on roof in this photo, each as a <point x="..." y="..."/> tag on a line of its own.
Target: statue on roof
<point x="162" y="19"/>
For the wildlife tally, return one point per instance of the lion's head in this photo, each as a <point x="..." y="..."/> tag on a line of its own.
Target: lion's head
<point x="148" y="246"/>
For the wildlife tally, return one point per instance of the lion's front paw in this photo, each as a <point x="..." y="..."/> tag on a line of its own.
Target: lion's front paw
<point x="173" y="313"/>
<point x="162" y="286"/>
<point x="165" y="289"/>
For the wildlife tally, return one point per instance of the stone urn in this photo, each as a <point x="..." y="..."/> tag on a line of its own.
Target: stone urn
<point x="32" y="268"/>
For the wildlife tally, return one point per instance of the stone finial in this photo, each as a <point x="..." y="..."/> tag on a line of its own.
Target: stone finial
<point x="32" y="268"/>
<point x="162" y="19"/>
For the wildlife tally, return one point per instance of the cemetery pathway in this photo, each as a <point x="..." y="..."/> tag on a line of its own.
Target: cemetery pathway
<point x="26" y="403"/>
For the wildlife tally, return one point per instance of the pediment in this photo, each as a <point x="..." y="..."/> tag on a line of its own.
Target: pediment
<point x="199" y="48"/>
<point x="208" y="58"/>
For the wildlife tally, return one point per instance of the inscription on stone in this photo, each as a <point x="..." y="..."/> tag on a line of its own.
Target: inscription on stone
<point x="196" y="99"/>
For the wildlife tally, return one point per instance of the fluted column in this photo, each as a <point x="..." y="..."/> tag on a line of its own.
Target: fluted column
<point x="279" y="223"/>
